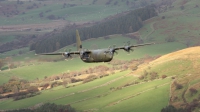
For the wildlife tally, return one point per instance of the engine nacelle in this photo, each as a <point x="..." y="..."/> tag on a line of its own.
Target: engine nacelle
<point x="128" y="48"/>
<point x="84" y="54"/>
<point x="66" y="55"/>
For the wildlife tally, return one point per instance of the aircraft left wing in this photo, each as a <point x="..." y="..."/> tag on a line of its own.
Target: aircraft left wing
<point x="128" y="47"/>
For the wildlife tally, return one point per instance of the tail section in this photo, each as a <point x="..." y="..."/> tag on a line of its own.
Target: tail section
<point x="78" y="41"/>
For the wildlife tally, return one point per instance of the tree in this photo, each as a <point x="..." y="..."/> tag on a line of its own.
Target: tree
<point x="193" y="91"/>
<point x="57" y="45"/>
<point x="1" y="63"/>
<point x="15" y="89"/>
<point x="141" y="77"/>
<point x="182" y="7"/>
<point x="145" y="73"/>
<point x="153" y="75"/>
<point x="64" y="5"/>
<point x="47" y="107"/>
<point x="1" y="89"/>
<point x="132" y="21"/>
<point x="32" y="89"/>
<point x="130" y="29"/>
<point x="178" y="86"/>
<point x="171" y="108"/>
<point x="11" y="66"/>
<point x="127" y="2"/>
<point x="188" y="43"/>
<point x="8" y="61"/>
<point x="18" y="1"/>
<point x="143" y="3"/>
<point x="164" y="76"/>
<point x="45" y="85"/>
<point x="65" y="83"/>
<point x="170" y="39"/>
<point x="52" y="17"/>
<point x="41" y="14"/>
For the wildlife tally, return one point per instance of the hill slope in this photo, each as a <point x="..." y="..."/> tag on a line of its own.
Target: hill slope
<point x="183" y="65"/>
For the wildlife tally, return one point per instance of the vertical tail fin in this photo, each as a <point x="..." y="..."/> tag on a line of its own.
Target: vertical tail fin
<point x="78" y="41"/>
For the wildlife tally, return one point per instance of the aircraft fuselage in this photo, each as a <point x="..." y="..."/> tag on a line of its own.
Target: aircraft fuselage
<point x="99" y="55"/>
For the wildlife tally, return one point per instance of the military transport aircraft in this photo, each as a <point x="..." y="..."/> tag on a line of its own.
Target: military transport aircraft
<point x="98" y="55"/>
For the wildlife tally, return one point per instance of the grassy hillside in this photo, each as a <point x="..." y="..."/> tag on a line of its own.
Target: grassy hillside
<point x="183" y="65"/>
<point x="97" y="95"/>
<point x="72" y="11"/>
<point x="5" y="39"/>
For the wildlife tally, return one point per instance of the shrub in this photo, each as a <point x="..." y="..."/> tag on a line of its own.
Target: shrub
<point x="170" y="39"/>
<point x="32" y="89"/>
<point x="164" y="76"/>
<point x="178" y="86"/>
<point x="141" y="77"/>
<point x="90" y="78"/>
<point x="193" y="91"/>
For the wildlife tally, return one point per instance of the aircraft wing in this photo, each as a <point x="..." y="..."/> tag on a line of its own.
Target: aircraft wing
<point x="60" y="53"/>
<point x="127" y="48"/>
<point x="142" y="44"/>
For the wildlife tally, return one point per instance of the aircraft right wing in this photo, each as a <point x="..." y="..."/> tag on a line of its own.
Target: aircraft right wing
<point x="66" y="54"/>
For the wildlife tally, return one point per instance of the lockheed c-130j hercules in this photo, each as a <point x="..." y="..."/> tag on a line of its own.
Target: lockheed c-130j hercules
<point x="98" y="55"/>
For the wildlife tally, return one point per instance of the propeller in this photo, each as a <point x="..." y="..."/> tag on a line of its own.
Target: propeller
<point x="112" y="49"/>
<point x="127" y="47"/>
<point x="84" y="53"/>
<point x="67" y="54"/>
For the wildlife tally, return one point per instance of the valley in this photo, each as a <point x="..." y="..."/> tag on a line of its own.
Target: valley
<point x="151" y="78"/>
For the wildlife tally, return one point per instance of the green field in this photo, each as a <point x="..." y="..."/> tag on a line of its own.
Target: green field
<point x="153" y="101"/>
<point x="81" y="11"/>
<point x="47" y="69"/>
<point x="106" y="96"/>
<point x="104" y="102"/>
<point x="13" y="52"/>
<point x="4" y="39"/>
